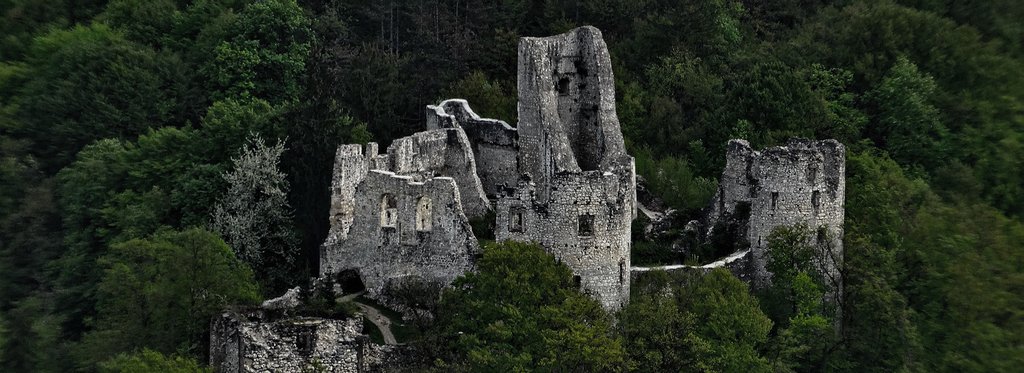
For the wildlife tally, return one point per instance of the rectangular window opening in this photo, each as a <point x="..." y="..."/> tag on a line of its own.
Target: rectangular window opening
<point x="515" y="219"/>
<point x="586" y="225"/>
<point x="816" y="200"/>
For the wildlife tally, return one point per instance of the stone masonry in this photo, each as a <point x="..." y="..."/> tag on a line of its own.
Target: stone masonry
<point x="249" y="342"/>
<point x="801" y="183"/>
<point x="561" y="178"/>
<point x="578" y="198"/>
<point x="394" y="216"/>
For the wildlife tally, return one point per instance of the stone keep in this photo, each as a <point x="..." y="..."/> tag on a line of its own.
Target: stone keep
<point x="802" y="182"/>
<point x="578" y="196"/>
<point x="561" y="178"/>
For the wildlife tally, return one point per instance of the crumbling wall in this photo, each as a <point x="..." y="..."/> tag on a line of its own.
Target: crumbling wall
<point x="250" y="342"/>
<point x="802" y="182"/>
<point x="495" y="144"/>
<point x="443" y="152"/>
<point x="585" y="224"/>
<point x="563" y="173"/>
<point x="567" y="119"/>
<point x="391" y="238"/>
<point x="440" y="152"/>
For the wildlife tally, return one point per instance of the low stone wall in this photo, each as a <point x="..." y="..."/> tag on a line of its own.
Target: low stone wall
<point x="250" y="342"/>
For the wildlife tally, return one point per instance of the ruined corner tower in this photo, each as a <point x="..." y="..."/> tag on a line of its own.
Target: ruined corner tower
<point x="802" y="182"/>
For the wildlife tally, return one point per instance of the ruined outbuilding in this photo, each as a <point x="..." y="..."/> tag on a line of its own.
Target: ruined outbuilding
<point x="561" y="178"/>
<point x="251" y="341"/>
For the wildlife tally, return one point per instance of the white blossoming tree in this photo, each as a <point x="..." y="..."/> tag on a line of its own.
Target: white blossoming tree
<point x="254" y="217"/>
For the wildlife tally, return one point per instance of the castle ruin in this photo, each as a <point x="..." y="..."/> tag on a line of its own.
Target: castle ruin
<point x="561" y="178"/>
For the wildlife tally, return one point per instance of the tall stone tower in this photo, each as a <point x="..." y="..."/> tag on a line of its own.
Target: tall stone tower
<point x="577" y="194"/>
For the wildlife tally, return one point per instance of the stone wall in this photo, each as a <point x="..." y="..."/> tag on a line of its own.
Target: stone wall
<point x="802" y="182"/>
<point x="245" y="342"/>
<point x="585" y="224"/>
<point x="440" y="152"/>
<point x="495" y="144"/>
<point x="563" y="173"/>
<point x="567" y="119"/>
<point x="403" y="228"/>
<point x="577" y="197"/>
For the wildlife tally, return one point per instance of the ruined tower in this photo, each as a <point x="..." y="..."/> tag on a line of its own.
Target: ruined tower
<point x="801" y="183"/>
<point x="577" y="194"/>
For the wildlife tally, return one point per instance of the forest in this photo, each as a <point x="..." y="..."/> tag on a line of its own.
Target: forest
<point x="163" y="159"/>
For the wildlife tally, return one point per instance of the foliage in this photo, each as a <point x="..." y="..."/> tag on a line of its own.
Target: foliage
<point x="488" y="99"/>
<point x="523" y="311"/>
<point x="265" y="54"/>
<point x="149" y="361"/>
<point x="675" y="180"/>
<point x="90" y="83"/>
<point x="907" y="124"/>
<point x="694" y="322"/>
<point x="253" y="215"/>
<point x="161" y="292"/>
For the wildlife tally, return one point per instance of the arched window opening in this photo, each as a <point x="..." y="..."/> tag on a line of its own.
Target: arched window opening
<point x="515" y="219"/>
<point x="388" y="211"/>
<point x="424" y="214"/>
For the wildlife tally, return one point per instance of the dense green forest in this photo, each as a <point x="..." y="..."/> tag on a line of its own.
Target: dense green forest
<point x="162" y="159"/>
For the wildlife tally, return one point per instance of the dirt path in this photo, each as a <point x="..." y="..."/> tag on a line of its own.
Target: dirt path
<point x="373" y="314"/>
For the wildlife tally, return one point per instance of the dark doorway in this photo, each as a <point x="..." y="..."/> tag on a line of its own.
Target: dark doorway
<point x="350" y="281"/>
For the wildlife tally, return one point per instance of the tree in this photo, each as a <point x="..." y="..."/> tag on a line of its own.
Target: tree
<point x="907" y="124"/>
<point x="253" y="215"/>
<point x="487" y="98"/>
<point x="145" y="22"/>
<point x="694" y="322"/>
<point x="149" y="361"/>
<point x="523" y="311"/>
<point x="90" y="83"/>
<point x="729" y="318"/>
<point x="802" y="299"/>
<point x="160" y="293"/>
<point x="265" y="53"/>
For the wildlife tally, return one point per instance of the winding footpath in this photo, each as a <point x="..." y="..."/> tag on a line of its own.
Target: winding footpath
<point x="375" y="316"/>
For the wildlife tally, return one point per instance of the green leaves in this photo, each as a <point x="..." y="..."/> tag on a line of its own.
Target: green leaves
<point x="89" y="83"/>
<point x="691" y="321"/>
<point x="254" y="217"/>
<point x="160" y="293"/>
<point x="265" y="53"/>
<point x="522" y="311"/>
<point x="149" y="361"/>
<point x="906" y="123"/>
